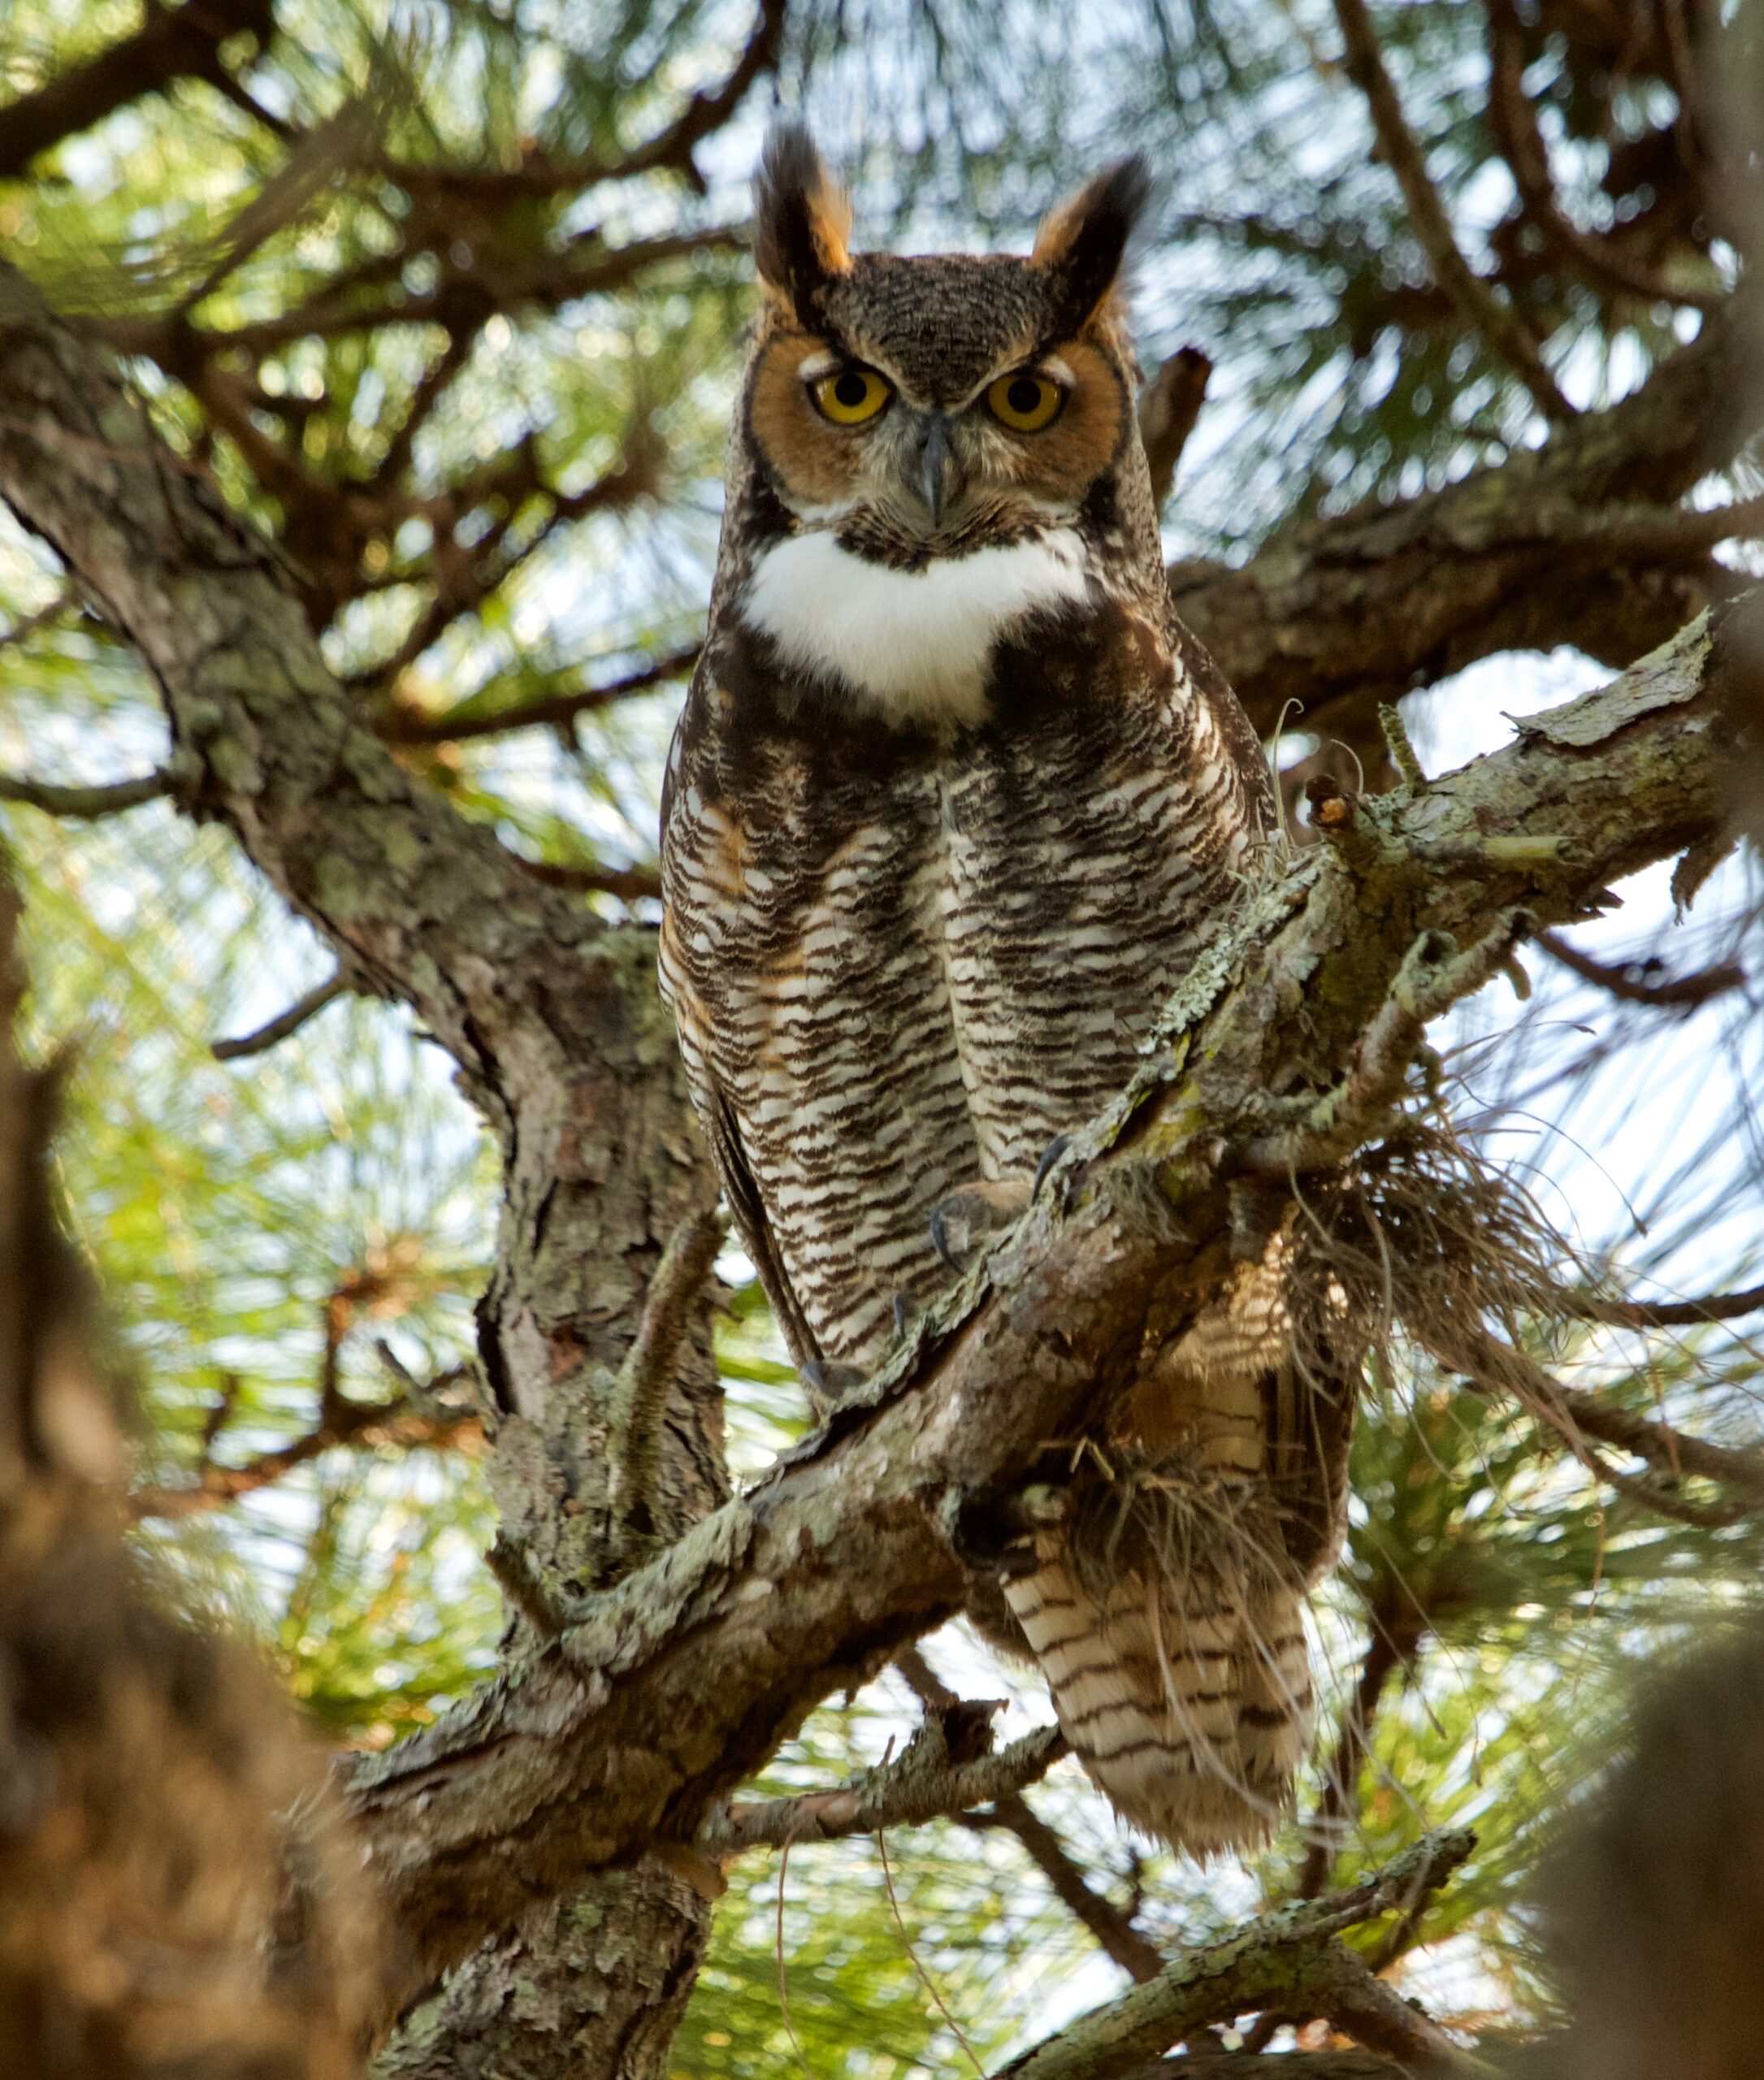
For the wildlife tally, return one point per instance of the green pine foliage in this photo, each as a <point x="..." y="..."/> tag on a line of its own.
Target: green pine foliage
<point x="316" y="1219"/>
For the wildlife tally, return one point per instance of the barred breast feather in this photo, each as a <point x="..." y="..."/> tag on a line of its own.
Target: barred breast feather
<point x="900" y="966"/>
<point x="954" y="805"/>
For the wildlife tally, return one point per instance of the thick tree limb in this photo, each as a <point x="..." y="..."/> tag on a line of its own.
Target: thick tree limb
<point x="1342" y="613"/>
<point x="1286" y="1959"/>
<point x="552" y="1017"/>
<point x="665" y="1690"/>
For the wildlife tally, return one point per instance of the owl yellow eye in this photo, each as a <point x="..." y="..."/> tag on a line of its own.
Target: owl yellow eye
<point x="852" y="397"/>
<point x="1025" y="403"/>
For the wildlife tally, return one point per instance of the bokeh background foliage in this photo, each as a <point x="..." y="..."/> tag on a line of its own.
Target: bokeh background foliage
<point x="450" y="298"/>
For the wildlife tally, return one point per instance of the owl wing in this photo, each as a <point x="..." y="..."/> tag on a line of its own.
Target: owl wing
<point x="743" y="1194"/>
<point x="694" y="1020"/>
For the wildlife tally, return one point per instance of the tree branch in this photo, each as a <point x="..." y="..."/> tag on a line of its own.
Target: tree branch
<point x="647" y="1376"/>
<point x="170" y="44"/>
<point x="1393" y="1636"/>
<point x="1632" y="982"/>
<point x="1514" y="124"/>
<point x="1141" y="1960"/>
<point x="1670" y="1313"/>
<point x="1169" y="406"/>
<point x="923" y="1784"/>
<point x="1270" y="2065"/>
<point x="1286" y="1959"/>
<point x="1343" y="614"/>
<point x="1577" y="1414"/>
<point x="401" y="1425"/>
<point x="472" y="720"/>
<point x="282" y="1027"/>
<point x="1498" y="322"/>
<point x="55" y="797"/>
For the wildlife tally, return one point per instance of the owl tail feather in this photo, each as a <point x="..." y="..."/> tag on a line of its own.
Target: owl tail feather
<point x="1186" y="1698"/>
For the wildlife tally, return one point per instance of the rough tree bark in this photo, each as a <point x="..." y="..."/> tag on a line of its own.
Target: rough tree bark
<point x="552" y="1018"/>
<point x="631" y="1701"/>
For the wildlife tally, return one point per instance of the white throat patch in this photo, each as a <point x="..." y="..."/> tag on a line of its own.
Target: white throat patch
<point x="917" y="642"/>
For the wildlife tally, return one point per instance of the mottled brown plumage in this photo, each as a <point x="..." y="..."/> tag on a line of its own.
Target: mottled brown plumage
<point x="954" y="804"/>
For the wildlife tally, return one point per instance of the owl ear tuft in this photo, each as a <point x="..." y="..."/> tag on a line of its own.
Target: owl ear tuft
<point x="1080" y="243"/>
<point x="801" y="221"/>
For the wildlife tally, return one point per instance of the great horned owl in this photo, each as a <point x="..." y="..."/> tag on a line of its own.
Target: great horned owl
<point x="953" y="803"/>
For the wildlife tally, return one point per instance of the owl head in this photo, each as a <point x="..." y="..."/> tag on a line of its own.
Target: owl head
<point x="967" y="420"/>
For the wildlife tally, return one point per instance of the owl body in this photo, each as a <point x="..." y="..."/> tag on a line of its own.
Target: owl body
<point x="953" y="806"/>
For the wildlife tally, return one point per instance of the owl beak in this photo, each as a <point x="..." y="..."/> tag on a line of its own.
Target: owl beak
<point x="938" y="476"/>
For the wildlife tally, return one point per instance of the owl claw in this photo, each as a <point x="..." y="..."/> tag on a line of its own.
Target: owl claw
<point x="1049" y="1155"/>
<point x="827" y="1384"/>
<point x="963" y="1221"/>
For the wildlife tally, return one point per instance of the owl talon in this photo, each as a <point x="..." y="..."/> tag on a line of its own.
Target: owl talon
<point x="904" y="1310"/>
<point x="827" y="1385"/>
<point x="965" y="1221"/>
<point x="1049" y="1155"/>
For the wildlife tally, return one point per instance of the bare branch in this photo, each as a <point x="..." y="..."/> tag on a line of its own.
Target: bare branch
<point x="627" y="883"/>
<point x="274" y="1031"/>
<point x="401" y="1425"/>
<point x="1394" y="1634"/>
<point x="28" y="625"/>
<point x="923" y="1785"/>
<point x="1169" y="406"/>
<point x="1141" y="1960"/>
<point x="1634" y="982"/>
<point x="1270" y="2065"/>
<point x="1668" y="1314"/>
<point x="411" y="725"/>
<point x="1498" y="322"/>
<point x="670" y="150"/>
<point x="585" y="267"/>
<point x="55" y="797"/>
<point x="1577" y="1414"/>
<point x="170" y="44"/>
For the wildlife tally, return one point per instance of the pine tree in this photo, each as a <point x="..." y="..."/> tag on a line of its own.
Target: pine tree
<point x="364" y="374"/>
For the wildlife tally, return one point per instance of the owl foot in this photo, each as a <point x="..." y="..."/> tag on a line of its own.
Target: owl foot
<point x="964" y="1223"/>
<point x="827" y="1385"/>
<point x="1049" y="1155"/>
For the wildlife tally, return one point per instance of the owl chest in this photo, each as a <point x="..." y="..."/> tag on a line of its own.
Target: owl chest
<point x="970" y="939"/>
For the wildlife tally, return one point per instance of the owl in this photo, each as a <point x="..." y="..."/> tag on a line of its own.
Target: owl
<point x="953" y="803"/>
